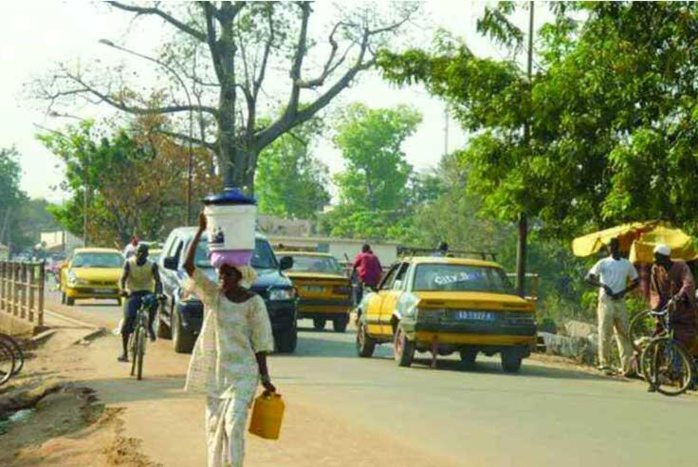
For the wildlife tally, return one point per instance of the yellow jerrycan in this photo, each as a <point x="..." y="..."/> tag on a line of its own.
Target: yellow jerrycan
<point x="267" y="414"/>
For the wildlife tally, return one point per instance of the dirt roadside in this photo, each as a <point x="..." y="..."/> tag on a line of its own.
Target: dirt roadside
<point x="101" y="417"/>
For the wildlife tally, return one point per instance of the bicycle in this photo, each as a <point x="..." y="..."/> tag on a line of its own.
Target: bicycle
<point x="665" y="364"/>
<point x="139" y="336"/>
<point x="14" y="346"/>
<point x="7" y="363"/>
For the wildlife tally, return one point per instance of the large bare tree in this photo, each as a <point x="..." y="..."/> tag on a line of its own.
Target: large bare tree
<point x="229" y="63"/>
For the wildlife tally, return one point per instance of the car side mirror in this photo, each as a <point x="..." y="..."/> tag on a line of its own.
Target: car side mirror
<point x="170" y="263"/>
<point x="286" y="263"/>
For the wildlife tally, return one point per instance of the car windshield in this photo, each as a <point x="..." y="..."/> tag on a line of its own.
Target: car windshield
<point x="98" y="260"/>
<point x="262" y="258"/>
<point x="461" y="278"/>
<point x="323" y="264"/>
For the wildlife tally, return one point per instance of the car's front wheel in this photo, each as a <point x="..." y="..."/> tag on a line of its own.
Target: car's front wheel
<point x="182" y="339"/>
<point x="70" y="301"/>
<point x="403" y="348"/>
<point x="365" y="344"/>
<point x="163" y="331"/>
<point x="287" y="341"/>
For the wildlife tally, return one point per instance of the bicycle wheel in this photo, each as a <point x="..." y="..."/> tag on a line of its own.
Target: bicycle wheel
<point x="132" y="348"/>
<point x="140" y="352"/>
<point x="7" y="363"/>
<point x="670" y="370"/>
<point x="642" y="326"/>
<point x="16" y="350"/>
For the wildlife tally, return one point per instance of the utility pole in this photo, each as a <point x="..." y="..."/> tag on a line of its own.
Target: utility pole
<point x="84" y="212"/>
<point x="445" y="131"/>
<point x="523" y="219"/>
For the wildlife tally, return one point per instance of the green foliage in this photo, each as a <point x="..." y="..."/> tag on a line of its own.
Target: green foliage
<point x="612" y="114"/>
<point x="12" y="198"/>
<point x="124" y="182"/>
<point x="378" y="190"/>
<point x="290" y="181"/>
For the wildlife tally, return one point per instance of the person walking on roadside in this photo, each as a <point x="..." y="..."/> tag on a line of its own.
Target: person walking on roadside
<point x="672" y="286"/>
<point x="130" y="249"/>
<point x="615" y="276"/>
<point x="139" y="278"/>
<point x="229" y="358"/>
<point x="368" y="269"/>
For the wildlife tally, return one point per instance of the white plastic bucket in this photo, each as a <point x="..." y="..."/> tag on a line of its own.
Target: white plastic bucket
<point x="231" y="227"/>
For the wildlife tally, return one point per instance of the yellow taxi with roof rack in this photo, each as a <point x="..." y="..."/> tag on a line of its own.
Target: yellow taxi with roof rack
<point x="445" y="305"/>
<point x="324" y="291"/>
<point x="91" y="273"/>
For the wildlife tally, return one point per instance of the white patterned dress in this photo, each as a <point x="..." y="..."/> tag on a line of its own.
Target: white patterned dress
<point x="223" y="365"/>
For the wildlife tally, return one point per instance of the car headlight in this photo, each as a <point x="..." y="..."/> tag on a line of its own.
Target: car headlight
<point x="72" y="279"/>
<point x="282" y="294"/>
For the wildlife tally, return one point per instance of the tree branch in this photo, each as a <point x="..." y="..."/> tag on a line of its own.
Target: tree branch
<point x="259" y="79"/>
<point x="210" y="12"/>
<point x="301" y="50"/>
<point x="293" y="117"/>
<point x="183" y="137"/>
<point x="200" y="35"/>
<point x="87" y="89"/>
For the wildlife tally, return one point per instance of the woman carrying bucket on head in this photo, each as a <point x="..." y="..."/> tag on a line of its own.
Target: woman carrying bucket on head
<point x="229" y="358"/>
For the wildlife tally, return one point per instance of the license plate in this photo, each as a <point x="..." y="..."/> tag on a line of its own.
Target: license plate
<point x="474" y="315"/>
<point x="103" y="291"/>
<point x="314" y="288"/>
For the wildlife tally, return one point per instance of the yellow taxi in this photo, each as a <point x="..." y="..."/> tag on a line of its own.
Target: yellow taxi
<point x="325" y="292"/>
<point x="446" y="305"/>
<point x="91" y="273"/>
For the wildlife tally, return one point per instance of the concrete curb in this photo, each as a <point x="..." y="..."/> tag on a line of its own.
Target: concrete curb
<point x="94" y="334"/>
<point x="43" y="337"/>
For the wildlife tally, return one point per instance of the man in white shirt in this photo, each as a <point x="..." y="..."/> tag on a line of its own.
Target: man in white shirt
<point x="615" y="276"/>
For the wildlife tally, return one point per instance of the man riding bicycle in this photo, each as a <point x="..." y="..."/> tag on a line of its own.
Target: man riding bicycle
<point x="139" y="278"/>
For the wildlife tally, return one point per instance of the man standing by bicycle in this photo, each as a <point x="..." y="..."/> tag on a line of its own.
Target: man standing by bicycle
<point x="672" y="286"/>
<point x="612" y="275"/>
<point x="139" y="278"/>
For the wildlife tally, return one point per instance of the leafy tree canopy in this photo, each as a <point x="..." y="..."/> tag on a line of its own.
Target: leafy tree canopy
<point x="611" y="109"/>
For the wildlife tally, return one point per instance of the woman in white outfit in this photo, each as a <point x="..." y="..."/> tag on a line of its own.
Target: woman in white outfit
<point x="229" y="357"/>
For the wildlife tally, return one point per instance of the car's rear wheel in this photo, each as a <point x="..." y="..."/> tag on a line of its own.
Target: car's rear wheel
<point x="511" y="359"/>
<point x="468" y="355"/>
<point x="365" y="344"/>
<point x="340" y="324"/>
<point x="182" y="339"/>
<point x="403" y="348"/>
<point x="319" y="323"/>
<point x="286" y="342"/>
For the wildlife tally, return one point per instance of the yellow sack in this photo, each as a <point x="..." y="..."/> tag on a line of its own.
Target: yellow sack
<point x="267" y="415"/>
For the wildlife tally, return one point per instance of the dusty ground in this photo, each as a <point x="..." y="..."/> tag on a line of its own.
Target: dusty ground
<point x="340" y="410"/>
<point x="69" y="426"/>
<point x="78" y="426"/>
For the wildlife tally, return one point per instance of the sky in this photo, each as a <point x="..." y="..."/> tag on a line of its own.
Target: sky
<point x="36" y="36"/>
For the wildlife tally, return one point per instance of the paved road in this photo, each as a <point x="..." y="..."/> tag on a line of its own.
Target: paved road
<point x="544" y="416"/>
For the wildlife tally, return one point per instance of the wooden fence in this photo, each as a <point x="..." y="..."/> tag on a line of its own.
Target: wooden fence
<point x="22" y="291"/>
